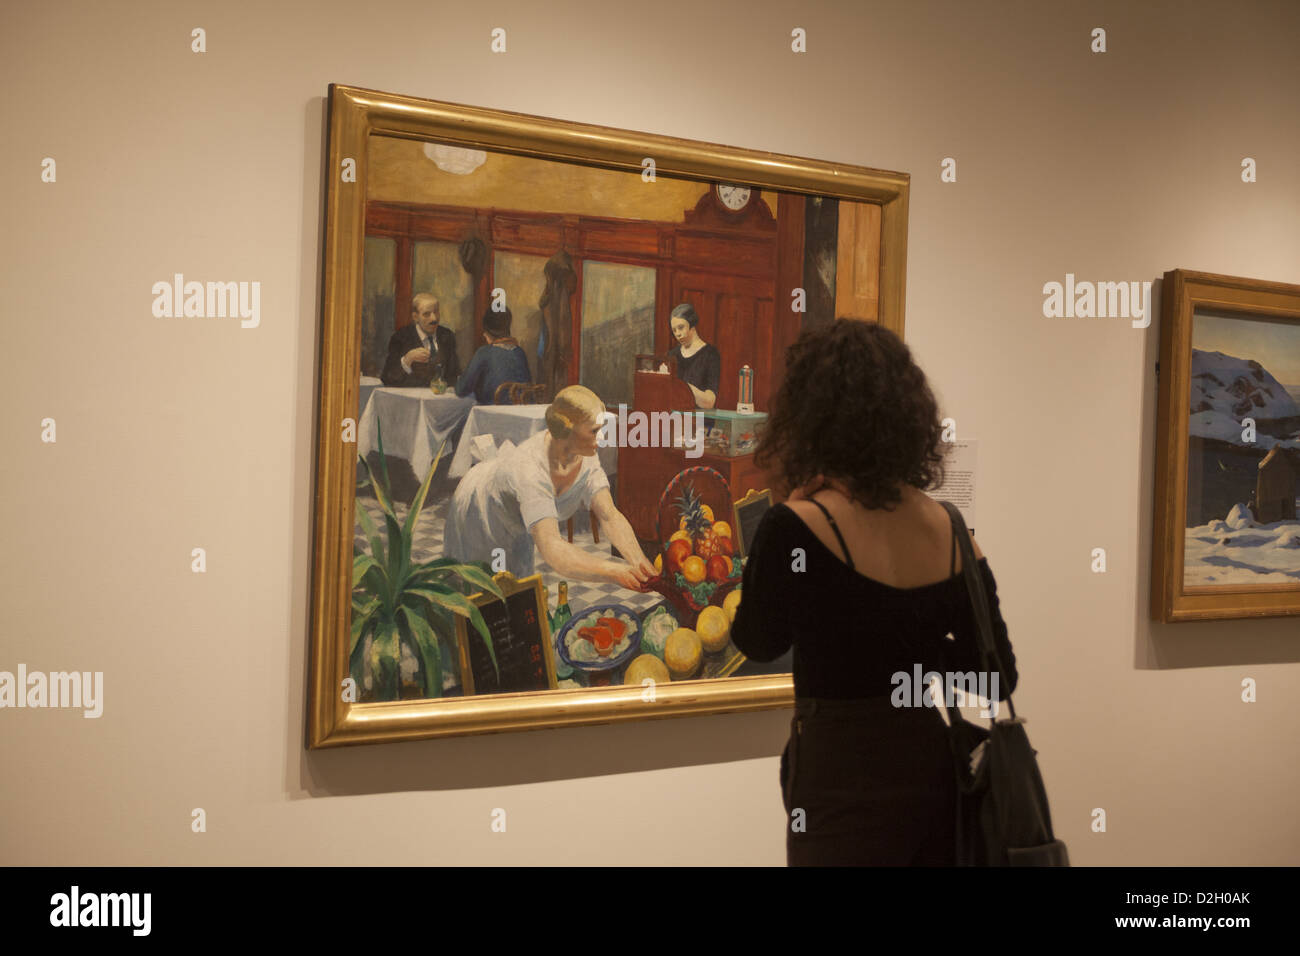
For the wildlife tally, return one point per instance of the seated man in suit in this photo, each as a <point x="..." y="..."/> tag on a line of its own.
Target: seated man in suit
<point x="501" y="360"/>
<point x="422" y="351"/>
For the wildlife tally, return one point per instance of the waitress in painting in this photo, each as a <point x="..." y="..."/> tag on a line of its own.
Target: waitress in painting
<point x="699" y="364"/>
<point x="513" y="504"/>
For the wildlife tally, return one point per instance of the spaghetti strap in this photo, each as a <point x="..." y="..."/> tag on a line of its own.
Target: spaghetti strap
<point x="953" y="569"/>
<point x="848" y="558"/>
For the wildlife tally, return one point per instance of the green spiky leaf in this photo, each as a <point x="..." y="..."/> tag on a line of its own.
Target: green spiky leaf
<point x="428" y="649"/>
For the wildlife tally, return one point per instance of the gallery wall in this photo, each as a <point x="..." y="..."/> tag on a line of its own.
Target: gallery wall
<point x="176" y="434"/>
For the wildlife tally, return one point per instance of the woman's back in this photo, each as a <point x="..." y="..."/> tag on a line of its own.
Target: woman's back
<point x="855" y="628"/>
<point x="909" y="547"/>
<point x="862" y="600"/>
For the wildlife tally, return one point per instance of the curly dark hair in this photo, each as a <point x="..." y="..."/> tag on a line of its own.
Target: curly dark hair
<point x="853" y="406"/>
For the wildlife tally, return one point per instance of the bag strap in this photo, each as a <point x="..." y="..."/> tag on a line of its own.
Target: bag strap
<point x="980" y="605"/>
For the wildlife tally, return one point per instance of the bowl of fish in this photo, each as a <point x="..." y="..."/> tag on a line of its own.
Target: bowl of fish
<point x="599" y="638"/>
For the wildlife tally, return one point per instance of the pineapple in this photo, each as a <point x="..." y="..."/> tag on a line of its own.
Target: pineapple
<point x="697" y="522"/>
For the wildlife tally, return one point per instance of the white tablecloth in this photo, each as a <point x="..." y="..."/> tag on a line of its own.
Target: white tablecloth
<point x="368" y="384"/>
<point x="514" y="422"/>
<point x="415" y="422"/>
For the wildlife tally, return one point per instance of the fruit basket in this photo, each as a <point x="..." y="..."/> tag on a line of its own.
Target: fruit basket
<point x="697" y="561"/>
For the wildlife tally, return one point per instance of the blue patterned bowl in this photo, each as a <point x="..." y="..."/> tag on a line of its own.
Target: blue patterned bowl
<point x="612" y="662"/>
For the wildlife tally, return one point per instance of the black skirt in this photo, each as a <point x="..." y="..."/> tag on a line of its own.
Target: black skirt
<point x="868" y="784"/>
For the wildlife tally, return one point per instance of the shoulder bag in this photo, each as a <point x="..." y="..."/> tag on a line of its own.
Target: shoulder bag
<point x="1002" y="814"/>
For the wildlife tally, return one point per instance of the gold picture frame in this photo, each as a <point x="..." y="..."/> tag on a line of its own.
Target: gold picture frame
<point x="869" y="284"/>
<point x="1209" y="345"/>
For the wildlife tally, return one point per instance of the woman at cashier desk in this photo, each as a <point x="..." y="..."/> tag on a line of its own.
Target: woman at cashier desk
<point x="699" y="364"/>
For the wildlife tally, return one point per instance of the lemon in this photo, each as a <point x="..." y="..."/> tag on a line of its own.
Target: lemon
<point x="714" y="628"/>
<point x="679" y="536"/>
<point x="659" y="564"/>
<point x="647" y="665"/>
<point x="708" y="512"/>
<point x="682" y="653"/>
<point x="722" y="528"/>
<point x="731" y="604"/>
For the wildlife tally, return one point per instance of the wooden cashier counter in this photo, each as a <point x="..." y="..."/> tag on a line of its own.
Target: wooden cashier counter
<point x="685" y="381"/>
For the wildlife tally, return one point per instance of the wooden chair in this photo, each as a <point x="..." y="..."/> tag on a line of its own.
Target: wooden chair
<point x="519" y="393"/>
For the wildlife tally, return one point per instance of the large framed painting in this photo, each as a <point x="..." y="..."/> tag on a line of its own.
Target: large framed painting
<point x="1227" y="532"/>
<point x="547" y="352"/>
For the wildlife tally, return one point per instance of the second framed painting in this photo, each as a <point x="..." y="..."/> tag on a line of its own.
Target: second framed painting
<point x="547" y="354"/>
<point x="1227" y="515"/>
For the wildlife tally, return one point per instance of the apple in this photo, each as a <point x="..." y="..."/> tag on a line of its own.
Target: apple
<point x="678" y="551"/>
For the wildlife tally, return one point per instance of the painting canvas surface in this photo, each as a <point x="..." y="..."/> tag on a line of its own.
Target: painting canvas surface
<point x="1243" y="452"/>
<point x="591" y="264"/>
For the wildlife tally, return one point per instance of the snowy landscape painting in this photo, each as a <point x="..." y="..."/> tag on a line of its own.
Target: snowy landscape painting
<point x="1243" y="461"/>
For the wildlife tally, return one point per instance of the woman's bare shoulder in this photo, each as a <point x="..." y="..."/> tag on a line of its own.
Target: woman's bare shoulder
<point x="943" y="521"/>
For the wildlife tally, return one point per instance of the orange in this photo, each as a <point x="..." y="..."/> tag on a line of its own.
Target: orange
<point x="694" y="569"/>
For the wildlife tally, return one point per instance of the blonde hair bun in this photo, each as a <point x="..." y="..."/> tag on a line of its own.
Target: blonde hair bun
<point x="572" y="405"/>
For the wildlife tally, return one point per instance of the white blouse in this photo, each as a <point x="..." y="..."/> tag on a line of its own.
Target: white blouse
<point x="497" y="503"/>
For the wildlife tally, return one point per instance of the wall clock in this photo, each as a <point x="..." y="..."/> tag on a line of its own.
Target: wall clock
<point x="733" y="199"/>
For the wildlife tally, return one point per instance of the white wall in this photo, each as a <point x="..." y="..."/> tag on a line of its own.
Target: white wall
<point x="175" y="434"/>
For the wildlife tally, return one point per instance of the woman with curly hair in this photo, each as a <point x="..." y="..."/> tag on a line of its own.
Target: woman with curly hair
<point x="859" y="572"/>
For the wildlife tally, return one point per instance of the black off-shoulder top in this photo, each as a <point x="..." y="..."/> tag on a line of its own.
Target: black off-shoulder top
<point x="850" y="633"/>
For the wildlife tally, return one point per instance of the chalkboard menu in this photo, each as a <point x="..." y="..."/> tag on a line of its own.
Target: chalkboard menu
<point x="521" y="638"/>
<point x="749" y="512"/>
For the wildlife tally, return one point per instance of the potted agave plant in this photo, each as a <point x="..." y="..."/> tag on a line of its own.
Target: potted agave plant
<point x="396" y="603"/>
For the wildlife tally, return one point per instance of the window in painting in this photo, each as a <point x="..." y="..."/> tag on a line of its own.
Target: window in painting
<point x="377" y="312"/>
<point x="618" y="303"/>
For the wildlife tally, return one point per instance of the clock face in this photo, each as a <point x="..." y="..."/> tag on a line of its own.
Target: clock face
<point x="734" y="198"/>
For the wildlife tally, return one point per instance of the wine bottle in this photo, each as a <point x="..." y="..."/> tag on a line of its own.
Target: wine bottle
<point x="558" y="619"/>
<point x="562" y="611"/>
